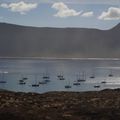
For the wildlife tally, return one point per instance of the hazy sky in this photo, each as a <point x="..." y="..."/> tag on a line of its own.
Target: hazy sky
<point x="102" y="14"/>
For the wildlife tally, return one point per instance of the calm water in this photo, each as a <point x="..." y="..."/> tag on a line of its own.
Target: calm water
<point x="13" y="70"/>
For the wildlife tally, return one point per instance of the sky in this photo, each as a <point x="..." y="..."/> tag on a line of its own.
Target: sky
<point x="100" y="14"/>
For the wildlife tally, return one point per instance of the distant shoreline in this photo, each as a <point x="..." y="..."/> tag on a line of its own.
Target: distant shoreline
<point x="55" y="58"/>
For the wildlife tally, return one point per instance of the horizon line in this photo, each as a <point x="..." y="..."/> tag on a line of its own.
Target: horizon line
<point x="62" y="58"/>
<point x="21" y="25"/>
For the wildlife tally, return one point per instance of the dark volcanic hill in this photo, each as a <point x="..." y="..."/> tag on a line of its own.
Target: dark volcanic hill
<point x="20" y="41"/>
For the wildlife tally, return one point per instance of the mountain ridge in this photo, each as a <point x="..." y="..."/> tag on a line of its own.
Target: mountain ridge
<point x="19" y="25"/>
<point x="23" y="41"/>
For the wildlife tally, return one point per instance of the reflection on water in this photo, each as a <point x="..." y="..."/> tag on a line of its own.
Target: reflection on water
<point x="59" y="75"/>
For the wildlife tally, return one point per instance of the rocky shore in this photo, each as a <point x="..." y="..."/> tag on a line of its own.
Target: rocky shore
<point x="103" y="105"/>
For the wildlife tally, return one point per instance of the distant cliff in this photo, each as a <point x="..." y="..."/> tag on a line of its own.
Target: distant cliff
<point x="21" y="41"/>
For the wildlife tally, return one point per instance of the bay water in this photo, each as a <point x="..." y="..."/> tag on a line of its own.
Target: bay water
<point x="13" y="70"/>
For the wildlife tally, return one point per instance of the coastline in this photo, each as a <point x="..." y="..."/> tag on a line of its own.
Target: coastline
<point x="96" y="105"/>
<point x="55" y="58"/>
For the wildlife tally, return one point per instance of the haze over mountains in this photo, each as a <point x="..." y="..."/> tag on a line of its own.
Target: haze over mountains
<point x="21" y="41"/>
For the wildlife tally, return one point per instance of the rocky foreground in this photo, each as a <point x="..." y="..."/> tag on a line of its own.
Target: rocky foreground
<point x="103" y="105"/>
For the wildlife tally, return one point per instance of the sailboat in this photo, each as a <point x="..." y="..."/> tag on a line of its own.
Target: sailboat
<point x="61" y="77"/>
<point x="2" y="81"/>
<point x="76" y="83"/>
<point x="81" y="77"/>
<point x="23" y="81"/>
<point x="111" y="74"/>
<point x="93" y="74"/>
<point x="42" y="82"/>
<point x="46" y="77"/>
<point x="67" y="86"/>
<point x="24" y="78"/>
<point x="96" y="86"/>
<point x="103" y="82"/>
<point x="35" y="84"/>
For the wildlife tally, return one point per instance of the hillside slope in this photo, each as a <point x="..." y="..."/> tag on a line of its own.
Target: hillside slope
<point x="21" y="41"/>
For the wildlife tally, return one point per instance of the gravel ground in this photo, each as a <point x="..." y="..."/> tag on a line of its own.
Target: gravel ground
<point x="103" y="105"/>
